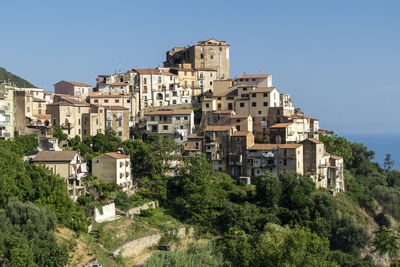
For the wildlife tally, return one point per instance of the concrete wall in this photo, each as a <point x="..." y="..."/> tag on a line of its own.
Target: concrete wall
<point x="108" y="212"/>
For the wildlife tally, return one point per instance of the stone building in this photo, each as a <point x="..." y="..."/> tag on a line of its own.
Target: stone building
<point x="77" y="89"/>
<point x="117" y="118"/>
<point x="211" y="54"/>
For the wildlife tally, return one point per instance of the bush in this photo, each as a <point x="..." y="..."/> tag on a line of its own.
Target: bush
<point x="382" y="220"/>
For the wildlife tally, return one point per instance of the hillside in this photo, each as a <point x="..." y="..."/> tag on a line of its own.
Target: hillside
<point x="19" y="82"/>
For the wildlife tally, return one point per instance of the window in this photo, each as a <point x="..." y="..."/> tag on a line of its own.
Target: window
<point x="211" y="57"/>
<point x="244" y="95"/>
<point x="79" y="121"/>
<point x="265" y="104"/>
<point x="84" y="131"/>
<point x="119" y="133"/>
<point x="79" y="131"/>
<point x="253" y="95"/>
<point x="244" y="89"/>
<point x="145" y="89"/>
<point x="207" y="105"/>
<point x="253" y="80"/>
<point x="253" y="104"/>
<point x="108" y="123"/>
<point x="96" y="101"/>
<point x="119" y="123"/>
<point x="219" y="98"/>
<point x="220" y="49"/>
<point x="237" y="120"/>
<point x="165" y="127"/>
<point x="97" y="121"/>
<point x="105" y="100"/>
<point x="128" y="101"/>
<point x="185" y="73"/>
<point x="116" y="100"/>
<point x="259" y="112"/>
<point x="178" y="118"/>
<point x="159" y="79"/>
<point x="144" y="80"/>
<point x="152" y="118"/>
<point x="28" y="109"/>
<point x="242" y="105"/>
<point x="79" y="109"/>
<point x="265" y="94"/>
<point x="185" y="118"/>
<point x="211" y="82"/>
<point x="284" y="162"/>
<point x="229" y="98"/>
<point x="201" y="56"/>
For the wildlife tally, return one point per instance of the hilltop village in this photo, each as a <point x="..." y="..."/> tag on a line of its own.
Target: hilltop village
<point x="245" y="126"/>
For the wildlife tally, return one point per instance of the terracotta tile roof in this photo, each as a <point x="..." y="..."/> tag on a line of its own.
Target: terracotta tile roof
<point x="35" y="99"/>
<point x="75" y="102"/>
<point x="241" y="116"/>
<point x="282" y="125"/>
<point x="170" y="112"/>
<point x="218" y="128"/>
<point x="193" y="136"/>
<point x="119" y="84"/>
<point x="336" y="157"/>
<point x="78" y="84"/>
<point x="152" y="71"/>
<point x="241" y="133"/>
<point x="42" y="116"/>
<point x="115" y="107"/>
<point x="263" y="147"/>
<point x="247" y="76"/>
<point x="47" y="137"/>
<point x="117" y="155"/>
<point x="50" y="156"/>
<point x="262" y="90"/>
<point x="289" y="146"/>
<point x="94" y="93"/>
<point x="223" y="112"/>
<point x="106" y="96"/>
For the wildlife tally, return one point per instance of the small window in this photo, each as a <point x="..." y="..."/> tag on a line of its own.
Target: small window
<point x="211" y="57"/>
<point x="201" y="56"/>
<point x="219" y="98"/>
<point x="253" y="95"/>
<point x="116" y="100"/>
<point x="105" y="100"/>
<point x="185" y="118"/>
<point x="119" y="133"/>
<point x="165" y="127"/>
<point x="128" y="101"/>
<point x="178" y="118"/>
<point x="265" y="94"/>
<point x="96" y="101"/>
<point x="244" y="89"/>
<point x="259" y="112"/>
<point x="152" y="118"/>
<point x="242" y="105"/>
<point x="207" y="105"/>
<point x="253" y="104"/>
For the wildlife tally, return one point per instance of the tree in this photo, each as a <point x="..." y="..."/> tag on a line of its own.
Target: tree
<point x="58" y="133"/>
<point x="388" y="163"/>
<point x="268" y="189"/>
<point x="385" y="241"/>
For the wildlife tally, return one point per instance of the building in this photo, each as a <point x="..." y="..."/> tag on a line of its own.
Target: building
<point x="194" y="145"/>
<point x="217" y="146"/>
<point x="113" y="167"/>
<point x="124" y="100"/>
<point x="211" y="54"/>
<point x="77" y="89"/>
<point x="256" y="80"/>
<point x="117" y="118"/>
<point x="239" y="143"/>
<point x="94" y="122"/>
<point x="39" y="93"/>
<point x="178" y="124"/>
<point x="48" y="143"/>
<point x="68" y="165"/>
<point x="7" y="122"/>
<point x="66" y="113"/>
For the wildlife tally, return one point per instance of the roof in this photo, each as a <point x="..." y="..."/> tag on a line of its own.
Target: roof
<point x="74" y="101"/>
<point x="42" y="116"/>
<point x="170" y="112"/>
<point x="192" y="136"/>
<point x="218" y="128"/>
<point x="106" y="96"/>
<point x="282" y="125"/>
<point x="233" y="92"/>
<point x="300" y="116"/>
<point x="336" y="157"/>
<point x="49" y="156"/>
<point x="241" y="116"/>
<point x="116" y="107"/>
<point x="247" y="76"/>
<point x="241" y="133"/>
<point x="35" y="99"/>
<point x="152" y="71"/>
<point x="223" y="112"/>
<point x="263" y="90"/>
<point x="119" y="84"/>
<point x="207" y="100"/>
<point x="94" y="93"/>
<point x="288" y="146"/>
<point x="314" y="140"/>
<point x="263" y="147"/>
<point x="77" y="84"/>
<point x="116" y="155"/>
<point x="47" y="137"/>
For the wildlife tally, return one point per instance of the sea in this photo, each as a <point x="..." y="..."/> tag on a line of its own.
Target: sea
<point x="382" y="144"/>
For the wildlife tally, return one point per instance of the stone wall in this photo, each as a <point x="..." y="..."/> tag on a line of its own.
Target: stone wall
<point x="136" y="246"/>
<point x="145" y="206"/>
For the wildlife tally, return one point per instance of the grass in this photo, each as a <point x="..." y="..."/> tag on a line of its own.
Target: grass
<point x="160" y="219"/>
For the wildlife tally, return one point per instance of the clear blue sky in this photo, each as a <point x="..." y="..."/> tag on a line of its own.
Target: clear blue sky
<point x="339" y="60"/>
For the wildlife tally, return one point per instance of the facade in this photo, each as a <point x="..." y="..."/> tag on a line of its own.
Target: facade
<point x="178" y="124"/>
<point x="94" y="121"/>
<point x="67" y="113"/>
<point x="113" y="167"/>
<point x="117" y="118"/>
<point x="212" y="54"/>
<point x="48" y="143"/>
<point x="73" y="88"/>
<point x="194" y="145"/>
<point x="69" y="165"/>
<point x="217" y="146"/>
<point x="124" y="100"/>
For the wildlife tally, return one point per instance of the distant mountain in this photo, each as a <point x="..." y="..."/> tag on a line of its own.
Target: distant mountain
<point x="18" y="81"/>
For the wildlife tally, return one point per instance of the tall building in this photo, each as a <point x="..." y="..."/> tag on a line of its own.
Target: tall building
<point x="212" y="54"/>
<point x="6" y="111"/>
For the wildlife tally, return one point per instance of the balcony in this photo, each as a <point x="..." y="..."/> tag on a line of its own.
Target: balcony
<point x="67" y="126"/>
<point x="4" y="123"/>
<point x="5" y="134"/>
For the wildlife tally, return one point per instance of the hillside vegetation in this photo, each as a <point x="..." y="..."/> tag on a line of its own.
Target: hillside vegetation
<point x="16" y="80"/>
<point x="279" y="221"/>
